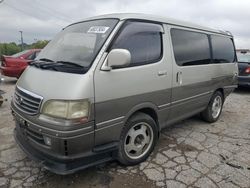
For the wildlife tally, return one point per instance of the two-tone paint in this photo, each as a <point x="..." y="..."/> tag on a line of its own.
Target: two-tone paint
<point x="163" y="90"/>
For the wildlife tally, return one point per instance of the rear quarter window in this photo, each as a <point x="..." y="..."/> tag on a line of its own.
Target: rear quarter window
<point x="222" y="49"/>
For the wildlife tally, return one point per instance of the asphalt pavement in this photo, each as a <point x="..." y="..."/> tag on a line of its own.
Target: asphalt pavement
<point x="192" y="153"/>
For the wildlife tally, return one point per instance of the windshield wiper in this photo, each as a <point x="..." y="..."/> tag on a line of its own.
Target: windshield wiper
<point x="70" y="64"/>
<point x="46" y="59"/>
<point x="61" y="66"/>
<point x="66" y="66"/>
<point x="38" y="62"/>
<point x="43" y="64"/>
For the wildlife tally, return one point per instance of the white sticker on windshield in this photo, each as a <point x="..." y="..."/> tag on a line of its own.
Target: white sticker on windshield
<point x="98" y="29"/>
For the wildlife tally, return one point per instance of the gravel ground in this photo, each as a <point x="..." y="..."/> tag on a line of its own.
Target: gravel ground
<point x="191" y="153"/>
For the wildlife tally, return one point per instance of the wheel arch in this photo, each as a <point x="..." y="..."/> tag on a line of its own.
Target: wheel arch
<point x="147" y="108"/>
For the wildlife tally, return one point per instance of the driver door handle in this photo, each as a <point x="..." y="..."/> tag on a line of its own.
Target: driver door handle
<point x="162" y="73"/>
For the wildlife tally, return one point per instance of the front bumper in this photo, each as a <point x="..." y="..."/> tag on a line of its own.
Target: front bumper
<point x="67" y="154"/>
<point x="59" y="166"/>
<point x="244" y="81"/>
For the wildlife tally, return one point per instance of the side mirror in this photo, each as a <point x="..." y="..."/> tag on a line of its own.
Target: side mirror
<point x="117" y="58"/>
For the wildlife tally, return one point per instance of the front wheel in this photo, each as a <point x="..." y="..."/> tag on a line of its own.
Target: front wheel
<point x="138" y="139"/>
<point x="212" y="112"/>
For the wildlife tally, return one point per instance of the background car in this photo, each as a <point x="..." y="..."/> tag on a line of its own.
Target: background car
<point x="244" y="67"/>
<point x="13" y="66"/>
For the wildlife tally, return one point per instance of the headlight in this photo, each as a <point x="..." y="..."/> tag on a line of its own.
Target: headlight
<point x="66" y="109"/>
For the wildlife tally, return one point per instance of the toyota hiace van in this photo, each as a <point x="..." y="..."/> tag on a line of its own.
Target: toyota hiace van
<point x="106" y="86"/>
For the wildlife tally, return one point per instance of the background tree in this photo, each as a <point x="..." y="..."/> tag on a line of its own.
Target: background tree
<point x="13" y="48"/>
<point x="9" y="48"/>
<point x="39" y="44"/>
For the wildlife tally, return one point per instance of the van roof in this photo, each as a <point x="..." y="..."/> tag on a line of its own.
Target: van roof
<point x="149" y="17"/>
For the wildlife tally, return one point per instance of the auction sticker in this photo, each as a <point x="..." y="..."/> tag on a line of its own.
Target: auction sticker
<point x="98" y="29"/>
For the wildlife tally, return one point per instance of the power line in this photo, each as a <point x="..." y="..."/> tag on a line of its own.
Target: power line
<point x="20" y="10"/>
<point x="54" y="11"/>
<point x="45" y="10"/>
<point x="27" y="13"/>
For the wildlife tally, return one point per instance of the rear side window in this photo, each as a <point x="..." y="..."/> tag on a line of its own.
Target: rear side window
<point x="190" y="48"/>
<point x="222" y="49"/>
<point x="31" y="56"/>
<point x="37" y="53"/>
<point x="143" y="40"/>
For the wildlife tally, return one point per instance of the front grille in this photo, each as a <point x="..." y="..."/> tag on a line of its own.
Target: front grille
<point x="27" y="101"/>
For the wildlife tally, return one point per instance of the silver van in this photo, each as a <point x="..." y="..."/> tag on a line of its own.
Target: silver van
<point x="104" y="88"/>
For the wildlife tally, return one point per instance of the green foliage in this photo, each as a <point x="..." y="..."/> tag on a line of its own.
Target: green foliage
<point x="13" y="48"/>
<point x="39" y="44"/>
<point x="9" y="48"/>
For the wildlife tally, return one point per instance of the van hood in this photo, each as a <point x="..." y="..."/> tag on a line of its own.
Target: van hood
<point x="57" y="85"/>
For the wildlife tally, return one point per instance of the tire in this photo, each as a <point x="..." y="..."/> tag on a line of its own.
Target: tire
<point x="213" y="111"/>
<point x="138" y="139"/>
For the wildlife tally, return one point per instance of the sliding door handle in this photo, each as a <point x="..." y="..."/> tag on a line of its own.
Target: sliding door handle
<point x="179" y="77"/>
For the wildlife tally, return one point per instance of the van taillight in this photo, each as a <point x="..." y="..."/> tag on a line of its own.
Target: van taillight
<point x="247" y="70"/>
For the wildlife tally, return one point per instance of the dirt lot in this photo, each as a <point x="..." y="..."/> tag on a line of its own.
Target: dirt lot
<point x="190" y="154"/>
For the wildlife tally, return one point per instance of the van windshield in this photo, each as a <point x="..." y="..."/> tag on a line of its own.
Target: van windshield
<point x="79" y="43"/>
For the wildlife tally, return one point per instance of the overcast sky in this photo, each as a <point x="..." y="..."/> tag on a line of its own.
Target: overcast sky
<point x="42" y="19"/>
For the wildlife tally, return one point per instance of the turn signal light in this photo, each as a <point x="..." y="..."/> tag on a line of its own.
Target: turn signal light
<point x="47" y="140"/>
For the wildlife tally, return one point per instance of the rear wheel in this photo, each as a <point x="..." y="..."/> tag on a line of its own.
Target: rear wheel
<point x="214" y="108"/>
<point x="138" y="139"/>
